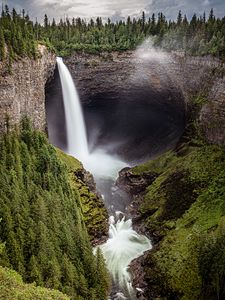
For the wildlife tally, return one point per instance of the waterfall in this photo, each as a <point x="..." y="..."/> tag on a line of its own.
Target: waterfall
<point x="76" y="132"/>
<point x="99" y="163"/>
<point x="124" y="244"/>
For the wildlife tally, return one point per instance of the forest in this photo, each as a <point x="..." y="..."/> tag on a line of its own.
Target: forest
<point x="43" y="234"/>
<point x="201" y="35"/>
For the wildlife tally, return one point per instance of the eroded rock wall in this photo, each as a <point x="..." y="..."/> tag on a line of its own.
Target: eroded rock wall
<point x="203" y="78"/>
<point x="178" y="76"/>
<point x="212" y="115"/>
<point x="23" y="91"/>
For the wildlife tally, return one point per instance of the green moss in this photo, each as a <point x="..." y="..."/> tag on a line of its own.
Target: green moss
<point x="72" y="163"/>
<point x="186" y="205"/>
<point x="199" y="100"/>
<point x="158" y="165"/>
<point x="12" y="287"/>
<point x="94" y="212"/>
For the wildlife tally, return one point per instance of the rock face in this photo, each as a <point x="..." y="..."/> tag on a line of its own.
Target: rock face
<point x="23" y="91"/>
<point x="212" y="115"/>
<point x="109" y="73"/>
<point x="177" y="76"/>
<point x="122" y="73"/>
<point x="203" y="77"/>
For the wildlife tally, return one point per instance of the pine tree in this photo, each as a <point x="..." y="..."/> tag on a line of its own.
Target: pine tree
<point x="2" y="45"/>
<point x="211" y="16"/>
<point x="34" y="271"/>
<point x="143" y="21"/>
<point x="179" y="18"/>
<point x="46" y="21"/>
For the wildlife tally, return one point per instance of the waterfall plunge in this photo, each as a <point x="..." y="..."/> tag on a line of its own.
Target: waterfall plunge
<point x="76" y="133"/>
<point x="99" y="163"/>
<point x="124" y="244"/>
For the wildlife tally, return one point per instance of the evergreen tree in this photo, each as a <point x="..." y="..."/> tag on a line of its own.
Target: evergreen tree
<point x="179" y="18"/>
<point x="2" y="45"/>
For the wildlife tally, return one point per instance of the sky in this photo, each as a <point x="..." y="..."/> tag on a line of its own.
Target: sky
<point x="115" y="9"/>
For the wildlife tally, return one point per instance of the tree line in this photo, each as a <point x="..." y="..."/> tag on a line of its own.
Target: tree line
<point x="201" y="35"/>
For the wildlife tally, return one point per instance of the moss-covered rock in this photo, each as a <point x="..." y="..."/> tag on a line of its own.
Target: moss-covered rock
<point x="92" y="206"/>
<point x="185" y="206"/>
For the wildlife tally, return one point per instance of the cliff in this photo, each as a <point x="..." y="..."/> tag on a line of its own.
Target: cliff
<point x="22" y="91"/>
<point x="202" y="82"/>
<point x="177" y="76"/>
<point x="173" y="79"/>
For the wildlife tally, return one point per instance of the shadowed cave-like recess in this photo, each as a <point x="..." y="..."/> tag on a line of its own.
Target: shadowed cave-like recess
<point x="133" y="121"/>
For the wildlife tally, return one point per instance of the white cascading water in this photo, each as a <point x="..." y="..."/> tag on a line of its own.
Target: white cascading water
<point x="124" y="244"/>
<point x="76" y="133"/>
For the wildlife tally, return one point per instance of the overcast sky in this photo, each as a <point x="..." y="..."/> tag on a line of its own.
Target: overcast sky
<point x="115" y="8"/>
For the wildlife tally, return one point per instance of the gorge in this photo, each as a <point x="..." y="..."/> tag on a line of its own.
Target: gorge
<point x="176" y="79"/>
<point x="124" y="244"/>
<point x="152" y="59"/>
<point x="128" y="200"/>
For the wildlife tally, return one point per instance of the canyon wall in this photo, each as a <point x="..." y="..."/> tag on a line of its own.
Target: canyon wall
<point x="202" y="82"/>
<point x="175" y="75"/>
<point x="181" y="78"/>
<point x="22" y="91"/>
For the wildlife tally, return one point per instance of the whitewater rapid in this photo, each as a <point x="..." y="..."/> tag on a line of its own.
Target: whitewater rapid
<point x="124" y="244"/>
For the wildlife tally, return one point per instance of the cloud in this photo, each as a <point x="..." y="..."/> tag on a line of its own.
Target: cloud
<point x="171" y="7"/>
<point x="115" y="8"/>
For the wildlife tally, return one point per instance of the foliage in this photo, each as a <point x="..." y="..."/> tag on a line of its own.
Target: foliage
<point x="12" y="287"/>
<point x="45" y="238"/>
<point x="17" y="33"/>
